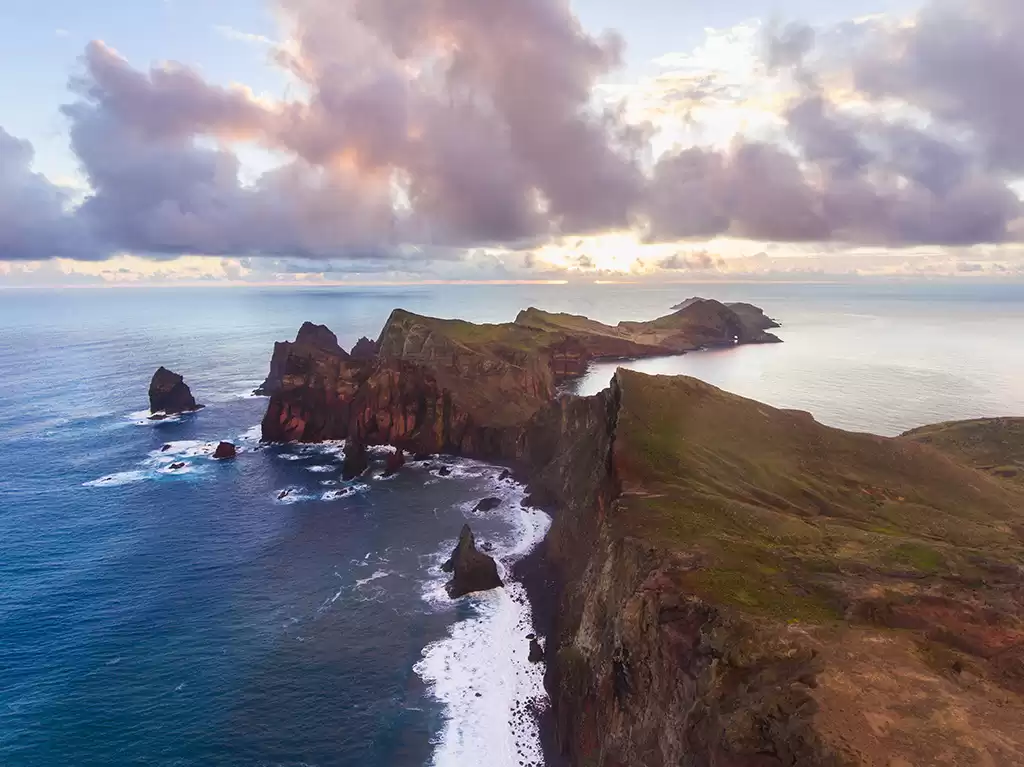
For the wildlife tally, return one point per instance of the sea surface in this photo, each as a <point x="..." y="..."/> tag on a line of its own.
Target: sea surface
<point x="194" y="616"/>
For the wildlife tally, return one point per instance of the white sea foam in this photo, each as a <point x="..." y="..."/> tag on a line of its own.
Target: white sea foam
<point x="321" y="469"/>
<point x="290" y="495"/>
<point x="481" y="670"/>
<point x="121" y="478"/>
<point x="371" y="578"/>
<point x="251" y="435"/>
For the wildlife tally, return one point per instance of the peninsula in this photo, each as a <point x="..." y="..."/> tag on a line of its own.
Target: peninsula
<point x="724" y="582"/>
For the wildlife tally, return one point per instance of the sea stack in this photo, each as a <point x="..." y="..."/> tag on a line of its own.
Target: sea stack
<point x="356" y="460"/>
<point x="169" y="394"/>
<point x="471" y="569"/>
<point x="225" y="451"/>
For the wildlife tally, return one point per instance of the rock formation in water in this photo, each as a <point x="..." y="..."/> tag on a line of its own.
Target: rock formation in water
<point x="225" y="451"/>
<point x="394" y="462"/>
<point x="169" y="394"/>
<point x="304" y="356"/>
<point x="733" y="584"/>
<point x="356" y="460"/>
<point x="471" y="569"/>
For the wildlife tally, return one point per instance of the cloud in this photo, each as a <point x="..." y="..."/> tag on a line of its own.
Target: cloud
<point x="231" y="33"/>
<point x="472" y="126"/>
<point x="962" y="62"/>
<point x="34" y="219"/>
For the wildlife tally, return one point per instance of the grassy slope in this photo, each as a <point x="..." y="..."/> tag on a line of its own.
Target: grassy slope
<point x="994" y="445"/>
<point x="792" y="517"/>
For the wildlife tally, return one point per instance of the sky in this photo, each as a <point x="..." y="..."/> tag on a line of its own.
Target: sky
<point x="377" y="141"/>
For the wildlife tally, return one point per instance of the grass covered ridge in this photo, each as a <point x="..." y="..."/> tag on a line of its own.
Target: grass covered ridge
<point x="795" y="520"/>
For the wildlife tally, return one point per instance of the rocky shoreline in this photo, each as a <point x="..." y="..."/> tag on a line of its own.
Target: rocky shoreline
<point x="721" y="578"/>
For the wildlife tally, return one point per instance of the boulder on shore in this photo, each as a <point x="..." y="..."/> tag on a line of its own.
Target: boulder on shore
<point x="356" y="460"/>
<point x="169" y="394"/>
<point x="225" y="451"/>
<point x="471" y="569"/>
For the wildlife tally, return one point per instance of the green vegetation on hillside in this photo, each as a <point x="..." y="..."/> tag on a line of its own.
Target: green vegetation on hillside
<point x="792" y="519"/>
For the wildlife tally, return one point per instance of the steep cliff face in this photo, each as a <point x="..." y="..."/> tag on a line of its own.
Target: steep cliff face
<point x="743" y="586"/>
<point x="737" y="586"/>
<point x="435" y="385"/>
<point x="313" y="345"/>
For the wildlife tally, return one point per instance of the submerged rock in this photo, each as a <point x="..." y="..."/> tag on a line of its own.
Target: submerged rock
<point x="471" y="569"/>
<point x="177" y="465"/>
<point x="225" y="451"/>
<point x="169" y="394"/>
<point x="487" y="504"/>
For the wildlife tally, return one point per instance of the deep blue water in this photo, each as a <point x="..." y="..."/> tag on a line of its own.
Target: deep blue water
<point x="190" y="617"/>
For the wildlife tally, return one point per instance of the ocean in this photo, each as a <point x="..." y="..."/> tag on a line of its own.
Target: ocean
<point x="197" y="617"/>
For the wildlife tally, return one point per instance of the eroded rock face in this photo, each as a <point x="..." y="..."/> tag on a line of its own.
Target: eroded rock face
<point x="169" y="394"/>
<point x="315" y="348"/>
<point x="471" y="569"/>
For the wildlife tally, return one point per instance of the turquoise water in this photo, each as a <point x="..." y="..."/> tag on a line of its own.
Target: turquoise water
<point x="192" y="617"/>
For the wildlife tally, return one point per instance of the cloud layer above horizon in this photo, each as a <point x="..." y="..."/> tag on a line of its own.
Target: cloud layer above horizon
<point x="443" y="125"/>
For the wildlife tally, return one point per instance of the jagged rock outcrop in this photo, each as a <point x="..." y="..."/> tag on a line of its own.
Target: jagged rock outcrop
<point x="225" y="451"/>
<point x="365" y="349"/>
<point x="314" y="349"/>
<point x="471" y="569"/>
<point x="169" y="394"/>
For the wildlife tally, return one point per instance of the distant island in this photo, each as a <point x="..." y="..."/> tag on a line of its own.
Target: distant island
<point x="724" y="582"/>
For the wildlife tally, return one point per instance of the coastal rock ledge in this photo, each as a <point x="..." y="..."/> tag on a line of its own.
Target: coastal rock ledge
<point x="724" y="583"/>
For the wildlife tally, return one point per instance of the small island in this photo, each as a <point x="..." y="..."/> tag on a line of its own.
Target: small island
<point x="724" y="582"/>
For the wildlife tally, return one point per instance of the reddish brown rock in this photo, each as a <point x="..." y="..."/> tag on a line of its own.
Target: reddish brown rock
<point x="394" y="462"/>
<point x="169" y="394"/>
<point x="315" y="349"/>
<point x="225" y="451"/>
<point x="365" y="349"/>
<point x="356" y="460"/>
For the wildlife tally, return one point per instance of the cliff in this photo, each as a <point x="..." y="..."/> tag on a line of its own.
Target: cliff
<point x="300" y="357"/>
<point x="736" y="584"/>
<point x="744" y="586"/>
<point x="451" y="386"/>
